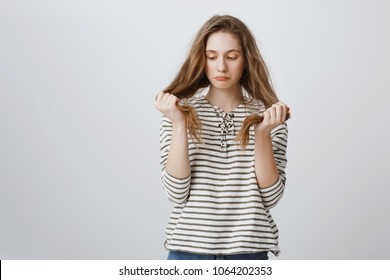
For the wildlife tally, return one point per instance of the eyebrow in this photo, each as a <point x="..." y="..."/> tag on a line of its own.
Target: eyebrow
<point x="233" y="50"/>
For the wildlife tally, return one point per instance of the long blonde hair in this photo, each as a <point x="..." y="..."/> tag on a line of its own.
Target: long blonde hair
<point x="191" y="77"/>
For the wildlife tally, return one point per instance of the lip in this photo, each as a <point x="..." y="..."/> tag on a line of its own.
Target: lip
<point x="221" y="78"/>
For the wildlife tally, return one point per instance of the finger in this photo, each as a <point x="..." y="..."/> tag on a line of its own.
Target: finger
<point x="284" y="116"/>
<point x="171" y="100"/>
<point x="266" y="116"/>
<point x="278" y="112"/>
<point x="165" y="98"/>
<point x="157" y="102"/>
<point x="283" y="112"/>
<point x="272" y="112"/>
<point x="163" y="102"/>
<point x="158" y="96"/>
<point x="285" y="109"/>
<point x="287" y="113"/>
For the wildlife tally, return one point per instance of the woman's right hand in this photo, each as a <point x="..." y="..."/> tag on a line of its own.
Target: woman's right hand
<point x="167" y="104"/>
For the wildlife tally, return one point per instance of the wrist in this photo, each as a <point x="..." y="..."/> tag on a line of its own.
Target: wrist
<point x="179" y="126"/>
<point x="263" y="134"/>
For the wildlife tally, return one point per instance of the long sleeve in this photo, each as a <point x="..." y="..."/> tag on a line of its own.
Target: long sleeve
<point x="220" y="209"/>
<point x="272" y="194"/>
<point x="177" y="189"/>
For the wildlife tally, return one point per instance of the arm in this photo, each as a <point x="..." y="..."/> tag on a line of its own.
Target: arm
<point x="176" y="170"/>
<point x="178" y="163"/>
<point x="270" y="154"/>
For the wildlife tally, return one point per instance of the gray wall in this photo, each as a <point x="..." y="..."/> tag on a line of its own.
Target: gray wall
<point x="79" y="150"/>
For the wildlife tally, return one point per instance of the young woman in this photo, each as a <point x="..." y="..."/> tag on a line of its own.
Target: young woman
<point x="223" y="153"/>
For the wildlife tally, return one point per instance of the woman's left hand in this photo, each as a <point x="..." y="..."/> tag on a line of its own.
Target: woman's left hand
<point x="273" y="116"/>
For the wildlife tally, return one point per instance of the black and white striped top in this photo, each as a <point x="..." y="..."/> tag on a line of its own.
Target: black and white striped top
<point x="219" y="209"/>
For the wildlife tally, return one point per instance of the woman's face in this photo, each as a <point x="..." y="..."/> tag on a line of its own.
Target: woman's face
<point x="225" y="60"/>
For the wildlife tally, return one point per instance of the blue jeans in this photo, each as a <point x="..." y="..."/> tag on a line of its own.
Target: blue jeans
<point x="177" y="255"/>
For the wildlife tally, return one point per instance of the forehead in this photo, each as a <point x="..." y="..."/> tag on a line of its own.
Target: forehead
<point x="223" y="41"/>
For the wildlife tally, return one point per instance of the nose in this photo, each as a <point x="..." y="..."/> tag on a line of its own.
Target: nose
<point x="221" y="66"/>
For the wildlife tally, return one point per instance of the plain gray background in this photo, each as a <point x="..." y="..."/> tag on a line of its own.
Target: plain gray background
<point x="79" y="147"/>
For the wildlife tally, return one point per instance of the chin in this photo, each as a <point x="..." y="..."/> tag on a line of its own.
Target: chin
<point x="219" y="86"/>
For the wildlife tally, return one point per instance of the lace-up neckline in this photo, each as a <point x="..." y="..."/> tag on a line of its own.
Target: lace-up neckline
<point x="226" y="125"/>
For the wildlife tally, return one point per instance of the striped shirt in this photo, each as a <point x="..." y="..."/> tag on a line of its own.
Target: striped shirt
<point x="219" y="208"/>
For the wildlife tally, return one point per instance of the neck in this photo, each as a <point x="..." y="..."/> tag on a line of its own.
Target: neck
<point x="226" y="99"/>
